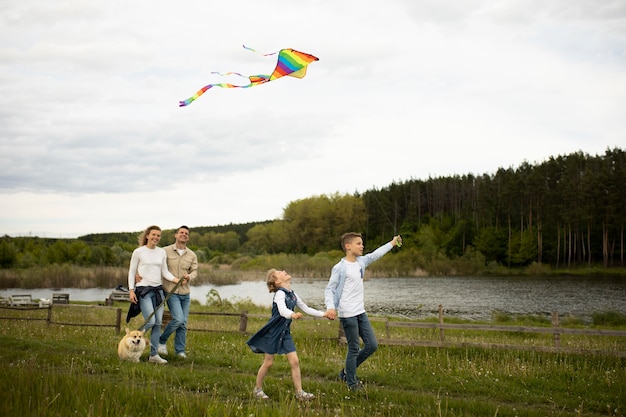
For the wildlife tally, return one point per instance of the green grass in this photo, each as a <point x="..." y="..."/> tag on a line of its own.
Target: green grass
<point x="62" y="370"/>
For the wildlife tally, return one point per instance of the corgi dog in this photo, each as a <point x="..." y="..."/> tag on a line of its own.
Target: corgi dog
<point x="132" y="345"/>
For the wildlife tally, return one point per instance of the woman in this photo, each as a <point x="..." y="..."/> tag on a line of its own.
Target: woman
<point x="150" y="262"/>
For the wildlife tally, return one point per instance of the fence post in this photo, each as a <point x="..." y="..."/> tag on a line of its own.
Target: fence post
<point x="118" y="321"/>
<point x="555" y="325"/>
<point x="49" y="319"/>
<point x="243" y="321"/>
<point x="442" y="334"/>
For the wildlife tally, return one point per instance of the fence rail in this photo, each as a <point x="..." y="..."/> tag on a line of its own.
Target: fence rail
<point x="556" y="330"/>
<point x="49" y="319"/>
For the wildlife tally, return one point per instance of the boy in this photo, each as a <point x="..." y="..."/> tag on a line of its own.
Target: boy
<point x="344" y="298"/>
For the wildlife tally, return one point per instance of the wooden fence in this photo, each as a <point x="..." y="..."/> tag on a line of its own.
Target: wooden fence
<point x="49" y="319"/>
<point x="556" y="330"/>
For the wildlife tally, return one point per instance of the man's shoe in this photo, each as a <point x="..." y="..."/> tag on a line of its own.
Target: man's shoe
<point x="182" y="355"/>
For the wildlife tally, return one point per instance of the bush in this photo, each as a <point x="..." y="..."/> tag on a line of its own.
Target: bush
<point x="608" y="318"/>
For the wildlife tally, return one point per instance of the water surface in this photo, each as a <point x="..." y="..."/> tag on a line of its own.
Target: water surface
<point x="465" y="297"/>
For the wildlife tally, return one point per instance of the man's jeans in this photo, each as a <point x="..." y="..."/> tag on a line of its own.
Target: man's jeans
<point x="179" y="308"/>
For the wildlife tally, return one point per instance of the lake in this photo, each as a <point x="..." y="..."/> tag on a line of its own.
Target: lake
<point x="474" y="298"/>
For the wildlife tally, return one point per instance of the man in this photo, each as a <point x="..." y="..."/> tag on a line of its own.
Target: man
<point x="182" y="262"/>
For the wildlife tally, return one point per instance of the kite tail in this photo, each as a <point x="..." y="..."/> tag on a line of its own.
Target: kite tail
<point x="195" y="96"/>
<point x="256" y="52"/>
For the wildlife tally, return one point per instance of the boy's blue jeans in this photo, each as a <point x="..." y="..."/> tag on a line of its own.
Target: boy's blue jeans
<point x="355" y="327"/>
<point x="179" y="309"/>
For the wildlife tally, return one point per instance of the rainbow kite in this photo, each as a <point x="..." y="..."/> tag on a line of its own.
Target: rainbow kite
<point x="290" y="62"/>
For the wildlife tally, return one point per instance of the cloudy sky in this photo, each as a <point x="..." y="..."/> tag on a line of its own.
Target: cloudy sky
<point x="92" y="139"/>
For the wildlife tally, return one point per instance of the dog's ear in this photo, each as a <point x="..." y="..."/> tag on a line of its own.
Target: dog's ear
<point x="127" y="330"/>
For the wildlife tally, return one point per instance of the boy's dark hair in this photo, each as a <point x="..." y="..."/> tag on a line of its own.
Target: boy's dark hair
<point x="349" y="237"/>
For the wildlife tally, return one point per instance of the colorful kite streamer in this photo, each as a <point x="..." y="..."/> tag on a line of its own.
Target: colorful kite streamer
<point x="290" y="62"/>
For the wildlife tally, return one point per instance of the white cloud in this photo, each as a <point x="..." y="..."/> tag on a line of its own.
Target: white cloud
<point x="92" y="139"/>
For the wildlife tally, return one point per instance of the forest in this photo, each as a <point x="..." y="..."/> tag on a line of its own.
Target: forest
<point x="565" y="212"/>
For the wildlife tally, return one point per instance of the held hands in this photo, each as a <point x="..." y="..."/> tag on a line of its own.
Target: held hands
<point x="330" y="314"/>
<point x="296" y="316"/>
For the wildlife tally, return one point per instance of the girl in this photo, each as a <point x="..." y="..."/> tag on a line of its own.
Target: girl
<point x="275" y="337"/>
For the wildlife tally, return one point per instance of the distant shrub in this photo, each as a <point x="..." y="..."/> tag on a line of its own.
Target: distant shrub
<point x="500" y="317"/>
<point x="533" y="319"/>
<point x="523" y="320"/>
<point x="608" y="318"/>
<point x="571" y="321"/>
<point x="537" y="269"/>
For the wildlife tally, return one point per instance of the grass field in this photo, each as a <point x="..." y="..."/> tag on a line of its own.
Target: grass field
<point x="62" y="370"/>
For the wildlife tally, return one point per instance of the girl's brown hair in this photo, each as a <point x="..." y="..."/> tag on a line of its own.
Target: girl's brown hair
<point x="271" y="280"/>
<point x="143" y="238"/>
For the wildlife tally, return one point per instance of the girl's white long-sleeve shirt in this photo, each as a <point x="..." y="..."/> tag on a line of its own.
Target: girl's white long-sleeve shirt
<point x="151" y="264"/>
<point x="279" y="299"/>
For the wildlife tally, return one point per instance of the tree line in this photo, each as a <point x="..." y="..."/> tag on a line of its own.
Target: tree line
<point x="568" y="211"/>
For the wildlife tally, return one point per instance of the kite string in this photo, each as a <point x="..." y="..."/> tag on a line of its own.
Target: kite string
<point x="399" y="241"/>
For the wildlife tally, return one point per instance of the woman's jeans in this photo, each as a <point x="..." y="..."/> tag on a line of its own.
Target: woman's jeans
<point x="355" y="327"/>
<point x="148" y="304"/>
<point x="179" y="308"/>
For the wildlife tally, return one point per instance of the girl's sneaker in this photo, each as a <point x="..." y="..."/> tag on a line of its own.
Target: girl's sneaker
<point x="303" y="395"/>
<point x="258" y="393"/>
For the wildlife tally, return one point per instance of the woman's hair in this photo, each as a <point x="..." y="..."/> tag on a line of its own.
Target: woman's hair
<point x="348" y="237"/>
<point x="271" y="280"/>
<point x="143" y="238"/>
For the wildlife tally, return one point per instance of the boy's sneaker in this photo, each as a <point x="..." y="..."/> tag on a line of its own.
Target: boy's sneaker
<point x="162" y="350"/>
<point x="258" y="393"/>
<point x="156" y="359"/>
<point x="305" y="396"/>
<point x="342" y="376"/>
<point x="182" y="355"/>
<point x="358" y="387"/>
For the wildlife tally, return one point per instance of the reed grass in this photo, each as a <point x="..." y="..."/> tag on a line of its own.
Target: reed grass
<point x="62" y="370"/>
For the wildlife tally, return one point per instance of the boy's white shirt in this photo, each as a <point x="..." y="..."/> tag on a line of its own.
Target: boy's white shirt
<point x="352" y="303"/>
<point x="334" y="291"/>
